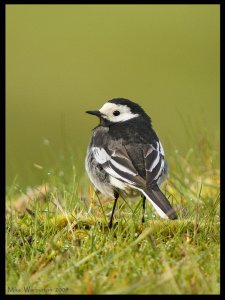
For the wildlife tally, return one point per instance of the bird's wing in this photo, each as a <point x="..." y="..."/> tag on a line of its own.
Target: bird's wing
<point x="154" y="162"/>
<point x="137" y="164"/>
<point x="118" y="164"/>
<point x="153" y="165"/>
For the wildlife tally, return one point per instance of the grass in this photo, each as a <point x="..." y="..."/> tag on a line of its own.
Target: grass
<point x="58" y="242"/>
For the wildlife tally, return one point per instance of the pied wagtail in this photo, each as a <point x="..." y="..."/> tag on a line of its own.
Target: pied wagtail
<point x="125" y="156"/>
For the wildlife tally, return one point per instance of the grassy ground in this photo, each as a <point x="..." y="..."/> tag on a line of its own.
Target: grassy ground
<point x="58" y="242"/>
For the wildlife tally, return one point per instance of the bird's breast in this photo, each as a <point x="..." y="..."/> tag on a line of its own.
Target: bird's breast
<point x="100" y="135"/>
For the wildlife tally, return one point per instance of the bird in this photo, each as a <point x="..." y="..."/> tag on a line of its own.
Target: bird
<point x="126" y="157"/>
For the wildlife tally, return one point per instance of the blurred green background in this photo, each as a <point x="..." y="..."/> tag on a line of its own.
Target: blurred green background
<point x="64" y="59"/>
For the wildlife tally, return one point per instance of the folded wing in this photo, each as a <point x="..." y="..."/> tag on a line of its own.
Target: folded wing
<point x="138" y="166"/>
<point x="154" y="162"/>
<point x="118" y="164"/>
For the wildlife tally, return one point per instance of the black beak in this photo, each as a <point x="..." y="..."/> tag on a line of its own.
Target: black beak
<point x="94" y="112"/>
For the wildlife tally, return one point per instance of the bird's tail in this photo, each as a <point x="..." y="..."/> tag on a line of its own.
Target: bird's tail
<point x="160" y="203"/>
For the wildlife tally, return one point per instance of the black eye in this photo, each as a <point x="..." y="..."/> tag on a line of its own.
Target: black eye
<point x="116" y="113"/>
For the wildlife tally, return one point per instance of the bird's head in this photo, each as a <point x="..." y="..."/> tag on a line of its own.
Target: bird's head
<point x="119" y="110"/>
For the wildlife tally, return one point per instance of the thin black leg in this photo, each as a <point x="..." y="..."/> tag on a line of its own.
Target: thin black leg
<point x="116" y="196"/>
<point x="143" y="206"/>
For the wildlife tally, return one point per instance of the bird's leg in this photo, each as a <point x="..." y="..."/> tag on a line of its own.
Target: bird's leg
<point x="143" y="206"/>
<point x="116" y="196"/>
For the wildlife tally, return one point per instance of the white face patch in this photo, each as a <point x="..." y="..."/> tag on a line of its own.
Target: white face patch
<point x="124" y="112"/>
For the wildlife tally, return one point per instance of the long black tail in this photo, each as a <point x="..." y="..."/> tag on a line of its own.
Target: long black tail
<point x="160" y="203"/>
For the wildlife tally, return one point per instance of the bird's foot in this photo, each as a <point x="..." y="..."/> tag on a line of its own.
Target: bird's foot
<point x="111" y="225"/>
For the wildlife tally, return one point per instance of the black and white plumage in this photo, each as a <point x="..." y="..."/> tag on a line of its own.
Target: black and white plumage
<point x="126" y="156"/>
